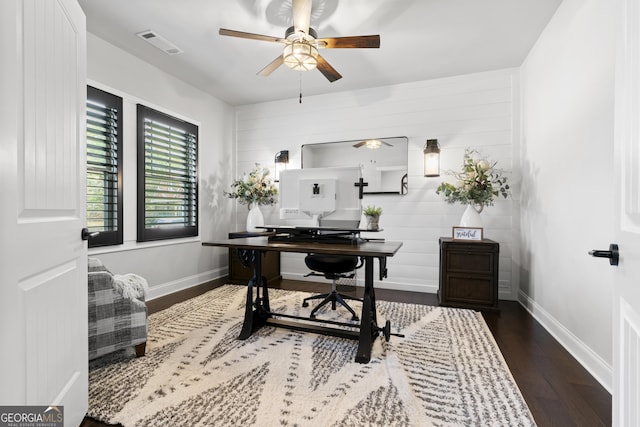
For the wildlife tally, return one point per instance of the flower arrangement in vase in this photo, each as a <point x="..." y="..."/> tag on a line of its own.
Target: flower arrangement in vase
<point x="478" y="184"/>
<point x="254" y="189"/>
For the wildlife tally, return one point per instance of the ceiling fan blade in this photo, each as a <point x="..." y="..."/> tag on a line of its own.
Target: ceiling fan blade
<point x="302" y="15"/>
<point x="243" y="35"/>
<point x="359" y="144"/>
<point x="272" y="66"/>
<point x="350" y="42"/>
<point x="387" y="144"/>
<point x="327" y="70"/>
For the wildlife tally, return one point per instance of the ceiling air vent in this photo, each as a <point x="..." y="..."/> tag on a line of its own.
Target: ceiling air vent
<point x="160" y="42"/>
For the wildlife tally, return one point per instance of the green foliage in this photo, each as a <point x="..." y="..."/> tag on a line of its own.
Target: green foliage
<point x="372" y="211"/>
<point x="256" y="187"/>
<point x="478" y="183"/>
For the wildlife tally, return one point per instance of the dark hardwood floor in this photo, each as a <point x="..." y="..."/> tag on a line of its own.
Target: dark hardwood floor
<point x="558" y="390"/>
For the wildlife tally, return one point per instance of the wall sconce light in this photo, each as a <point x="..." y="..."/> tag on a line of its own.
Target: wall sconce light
<point x="431" y="158"/>
<point x="282" y="159"/>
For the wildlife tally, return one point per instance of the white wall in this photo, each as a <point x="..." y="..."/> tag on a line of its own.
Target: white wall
<point x="479" y="110"/>
<point x="567" y="180"/>
<point x="173" y="264"/>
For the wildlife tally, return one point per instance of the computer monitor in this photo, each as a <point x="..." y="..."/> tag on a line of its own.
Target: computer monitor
<point x="321" y="197"/>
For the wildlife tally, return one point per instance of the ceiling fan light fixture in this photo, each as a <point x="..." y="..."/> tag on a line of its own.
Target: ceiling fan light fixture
<point x="373" y="144"/>
<point x="300" y="55"/>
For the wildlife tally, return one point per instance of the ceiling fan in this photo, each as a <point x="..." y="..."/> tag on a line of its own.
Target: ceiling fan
<point x="371" y="144"/>
<point x="301" y="44"/>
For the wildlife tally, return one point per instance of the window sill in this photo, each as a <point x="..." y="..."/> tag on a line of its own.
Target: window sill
<point x="133" y="245"/>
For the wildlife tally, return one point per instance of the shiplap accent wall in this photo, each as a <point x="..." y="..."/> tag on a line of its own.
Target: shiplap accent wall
<point x="479" y="111"/>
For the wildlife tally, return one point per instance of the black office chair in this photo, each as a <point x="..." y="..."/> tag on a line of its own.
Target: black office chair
<point x="333" y="267"/>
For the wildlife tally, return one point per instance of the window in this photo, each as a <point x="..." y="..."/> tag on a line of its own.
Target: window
<point x="104" y="167"/>
<point x="167" y="176"/>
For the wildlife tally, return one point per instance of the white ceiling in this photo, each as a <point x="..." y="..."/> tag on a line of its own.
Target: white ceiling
<point x="420" y="40"/>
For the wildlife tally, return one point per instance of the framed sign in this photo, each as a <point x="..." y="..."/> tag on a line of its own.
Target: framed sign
<point x="467" y="233"/>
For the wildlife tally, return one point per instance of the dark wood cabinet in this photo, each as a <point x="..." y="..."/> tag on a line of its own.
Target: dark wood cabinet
<point x="240" y="274"/>
<point x="469" y="274"/>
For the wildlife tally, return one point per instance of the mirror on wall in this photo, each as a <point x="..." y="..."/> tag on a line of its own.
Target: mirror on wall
<point x="384" y="161"/>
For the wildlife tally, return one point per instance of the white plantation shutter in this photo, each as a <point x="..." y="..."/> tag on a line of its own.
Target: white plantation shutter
<point x="167" y="176"/>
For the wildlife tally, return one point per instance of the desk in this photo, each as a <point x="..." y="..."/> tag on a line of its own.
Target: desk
<point x="258" y="312"/>
<point x="240" y="273"/>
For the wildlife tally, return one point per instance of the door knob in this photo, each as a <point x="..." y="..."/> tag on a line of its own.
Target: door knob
<point x="85" y="235"/>
<point x="612" y="254"/>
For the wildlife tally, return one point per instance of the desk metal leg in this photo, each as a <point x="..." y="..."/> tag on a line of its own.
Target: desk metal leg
<point x="254" y="318"/>
<point x="368" y="326"/>
<point x="257" y="311"/>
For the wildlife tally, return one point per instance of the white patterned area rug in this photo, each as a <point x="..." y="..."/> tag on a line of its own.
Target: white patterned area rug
<point x="446" y="371"/>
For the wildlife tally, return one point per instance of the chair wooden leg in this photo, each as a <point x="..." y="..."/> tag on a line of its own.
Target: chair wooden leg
<point x="140" y="349"/>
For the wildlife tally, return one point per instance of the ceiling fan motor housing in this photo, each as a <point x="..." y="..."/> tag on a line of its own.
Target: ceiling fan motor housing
<point x="291" y="30"/>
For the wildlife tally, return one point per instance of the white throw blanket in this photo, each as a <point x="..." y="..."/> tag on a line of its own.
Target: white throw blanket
<point x="131" y="286"/>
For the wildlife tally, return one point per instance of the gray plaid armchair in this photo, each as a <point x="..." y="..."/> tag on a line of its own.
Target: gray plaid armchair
<point x="117" y="311"/>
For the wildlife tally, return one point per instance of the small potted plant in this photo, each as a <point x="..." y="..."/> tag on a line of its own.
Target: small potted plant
<point x="372" y="215"/>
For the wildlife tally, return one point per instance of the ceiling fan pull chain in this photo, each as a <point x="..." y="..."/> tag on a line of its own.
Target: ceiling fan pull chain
<point x="300" y="101"/>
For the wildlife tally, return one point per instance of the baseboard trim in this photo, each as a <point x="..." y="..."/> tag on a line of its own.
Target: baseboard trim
<point x="385" y="284"/>
<point x="166" y="301"/>
<point x="169" y="288"/>
<point x="593" y="363"/>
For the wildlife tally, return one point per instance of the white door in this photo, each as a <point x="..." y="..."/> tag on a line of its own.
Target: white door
<point x="43" y="261"/>
<point x="626" y="304"/>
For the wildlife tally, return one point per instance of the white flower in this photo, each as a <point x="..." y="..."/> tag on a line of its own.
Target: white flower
<point x="479" y="182"/>
<point x="254" y="187"/>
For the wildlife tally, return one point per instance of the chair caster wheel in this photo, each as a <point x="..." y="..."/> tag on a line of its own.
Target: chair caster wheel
<point x="355" y="318"/>
<point x="312" y="316"/>
<point x="305" y="304"/>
